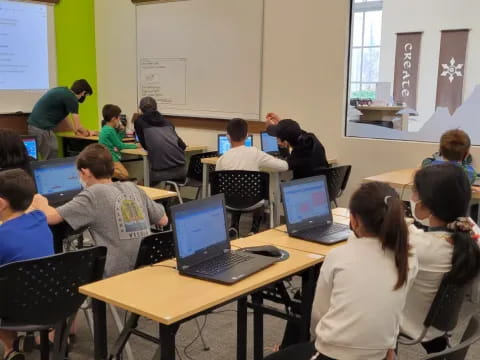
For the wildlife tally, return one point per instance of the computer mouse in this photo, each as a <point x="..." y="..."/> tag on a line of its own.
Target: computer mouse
<point x="268" y="250"/>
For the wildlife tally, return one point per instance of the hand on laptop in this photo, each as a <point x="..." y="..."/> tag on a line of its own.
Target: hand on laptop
<point x="163" y="221"/>
<point x="39" y="203"/>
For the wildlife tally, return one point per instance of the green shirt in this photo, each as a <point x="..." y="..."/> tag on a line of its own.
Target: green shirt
<point x="113" y="141"/>
<point x="53" y="107"/>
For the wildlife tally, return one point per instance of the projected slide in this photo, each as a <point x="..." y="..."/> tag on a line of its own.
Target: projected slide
<point x="57" y="179"/>
<point x="23" y="46"/>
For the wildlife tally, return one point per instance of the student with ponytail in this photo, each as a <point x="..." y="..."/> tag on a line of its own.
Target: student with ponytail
<point x="440" y="201"/>
<point x="363" y="284"/>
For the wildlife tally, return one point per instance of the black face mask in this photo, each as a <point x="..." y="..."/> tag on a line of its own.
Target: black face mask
<point x="351" y="228"/>
<point x="82" y="99"/>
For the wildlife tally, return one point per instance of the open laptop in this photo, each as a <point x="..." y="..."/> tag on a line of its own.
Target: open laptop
<point x="269" y="144"/>
<point x="308" y="213"/>
<point x="202" y="246"/>
<point x="30" y="143"/>
<point x="224" y="144"/>
<point x="57" y="180"/>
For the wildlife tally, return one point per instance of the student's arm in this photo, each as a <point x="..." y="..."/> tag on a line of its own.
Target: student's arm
<point x="321" y="302"/>
<point x="266" y="161"/>
<point x="156" y="211"/>
<point x="79" y="212"/>
<point x="41" y="203"/>
<point x="112" y="135"/>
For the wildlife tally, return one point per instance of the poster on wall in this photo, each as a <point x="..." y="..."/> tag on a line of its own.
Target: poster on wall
<point x="451" y="69"/>
<point x="407" y="62"/>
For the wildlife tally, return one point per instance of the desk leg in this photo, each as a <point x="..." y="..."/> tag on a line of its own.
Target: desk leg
<point x="100" y="329"/>
<point x="275" y="197"/>
<point x="204" y="180"/>
<point x="146" y="171"/>
<point x="309" y="280"/>
<point x="241" y="329"/>
<point x="257" y="328"/>
<point x="167" y="340"/>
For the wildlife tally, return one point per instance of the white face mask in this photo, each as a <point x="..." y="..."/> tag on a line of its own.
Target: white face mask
<point x="424" y="222"/>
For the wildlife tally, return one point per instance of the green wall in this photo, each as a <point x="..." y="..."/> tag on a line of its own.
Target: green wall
<point x="76" y="56"/>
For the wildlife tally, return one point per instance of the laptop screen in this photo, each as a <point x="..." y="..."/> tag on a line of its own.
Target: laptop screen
<point x="31" y="145"/>
<point x="269" y="143"/>
<point x="224" y="143"/>
<point x="305" y="200"/>
<point x="57" y="177"/>
<point x="199" y="226"/>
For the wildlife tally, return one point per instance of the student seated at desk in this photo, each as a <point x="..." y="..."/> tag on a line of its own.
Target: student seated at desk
<point x="23" y="236"/>
<point x="118" y="214"/>
<point x="112" y="139"/>
<point x="439" y="201"/>
<point x="363" y="285"/>
<point x="455" y="148"/>
<point x="13" y="153"/>
<point x="241" y="157"/>
<point x="166" y="150"/>
<point x="308" y="153"/>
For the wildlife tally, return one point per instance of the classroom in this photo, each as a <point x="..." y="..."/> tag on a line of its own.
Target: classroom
<point x="255" y="179"/>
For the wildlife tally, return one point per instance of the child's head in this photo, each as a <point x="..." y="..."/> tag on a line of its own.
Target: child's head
<point x="441" y="198"/>
<point x="13" y="153"/>
<point x="147" y="105"/>
<point x="455" y="145"/>
<point x="237" y="130"/>
<point x="377" y="211"/>
<point x="111" y="114"/>
<point x="16" y="191"/>
<point x="95" y="163"/>
<point x="287" y="131"/>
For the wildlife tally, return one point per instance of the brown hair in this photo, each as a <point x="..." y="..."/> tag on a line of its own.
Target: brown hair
<point x="97" y="159"/>
<point x="18" y="188"/>
<point x="454" y="145"/>
<point x="237" y="129"/>
<point x="381" y="212"/>
<point x="110" y="111"/>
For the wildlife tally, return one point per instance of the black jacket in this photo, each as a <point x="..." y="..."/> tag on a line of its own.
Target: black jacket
<point x="307" y="156"/>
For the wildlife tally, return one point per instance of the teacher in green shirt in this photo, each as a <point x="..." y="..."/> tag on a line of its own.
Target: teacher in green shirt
<point x="51" y="109"/>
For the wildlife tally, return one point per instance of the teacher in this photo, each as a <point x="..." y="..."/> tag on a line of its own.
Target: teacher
<point x="51" y="109"/>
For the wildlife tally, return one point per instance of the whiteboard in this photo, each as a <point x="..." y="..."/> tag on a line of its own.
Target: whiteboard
<point x="201" y="58"/>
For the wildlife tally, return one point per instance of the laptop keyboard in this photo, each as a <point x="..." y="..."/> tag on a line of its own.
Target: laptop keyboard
<point x="221" y="263"/>
<point x="333" y="229"/>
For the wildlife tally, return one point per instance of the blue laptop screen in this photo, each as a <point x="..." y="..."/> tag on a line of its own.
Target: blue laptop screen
<point x="57" y="179"/>
<point x="306" y="201"/>
<point x="31" y="145"/>
<point x="224" y="143"/>
<point x="269" y="143"/>
<point x="197" y="229"/>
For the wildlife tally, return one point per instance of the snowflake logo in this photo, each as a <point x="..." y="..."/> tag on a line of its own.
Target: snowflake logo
<point x="451" y="70"/>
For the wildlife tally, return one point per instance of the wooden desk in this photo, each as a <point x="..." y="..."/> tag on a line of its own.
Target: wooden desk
<point x="146" y="165"/>
<point x="172" y="303"/>
<point x="73" y="144"/>
<point x="158" y="194"/>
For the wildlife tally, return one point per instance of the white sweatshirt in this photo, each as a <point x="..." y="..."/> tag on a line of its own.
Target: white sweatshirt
<point x="249" y="159"/>
<point x="434" y="253"/>
<point x="356" y="311"/>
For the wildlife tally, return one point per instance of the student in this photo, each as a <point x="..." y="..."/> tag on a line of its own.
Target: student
<point x="455" y="148"/>
<point x="13" y="153"/>
<point x="241" y="157"/>
<point x="112" y="139"/>
<point x="308" y="153"/>
<point x="166" y="150"/>
<point x="440" y="200"/>
<point x="118" y="214"/>
<point x="52" y="108"/>
<point x="363" y="285"/>
<point x="22" y="236"/>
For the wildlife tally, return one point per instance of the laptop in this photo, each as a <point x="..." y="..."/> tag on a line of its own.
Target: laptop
<point x="57" y="180"/>
<point x="30" y="143"/>
<point x="308" y="213"/>
<point x="202" y="247"/>
<point x="224" y="144"/>
<point x="269" y="144"/>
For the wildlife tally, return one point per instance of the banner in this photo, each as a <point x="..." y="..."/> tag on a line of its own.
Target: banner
<point x="407" y="59"/>
<point x="451" y="69"/>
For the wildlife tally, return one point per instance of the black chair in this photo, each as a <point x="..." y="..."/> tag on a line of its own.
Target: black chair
<point x="444" y="311"/>
<point x="459" y="351"/>
<point x="153" y="249"/>
<point x="42" y="294"/>
<point x="245" y="191"/>
<point x="337" y="180"/>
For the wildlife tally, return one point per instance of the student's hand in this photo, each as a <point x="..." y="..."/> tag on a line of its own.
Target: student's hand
<point x="139" y="146"/>
<point x="272" y="119"/>
<point x="391" y="355"/>
<point x="163" y="221"/>
<point x="39" y="203"/>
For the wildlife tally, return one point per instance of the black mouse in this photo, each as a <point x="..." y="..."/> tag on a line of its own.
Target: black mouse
<point x="268" y="250"/>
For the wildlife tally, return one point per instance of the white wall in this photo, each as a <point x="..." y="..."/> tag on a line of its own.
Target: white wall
<point x="431" y="17"/>
<point x="304" y="78"/>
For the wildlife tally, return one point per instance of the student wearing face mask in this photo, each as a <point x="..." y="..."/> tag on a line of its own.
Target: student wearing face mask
<point x="439" y="202"/>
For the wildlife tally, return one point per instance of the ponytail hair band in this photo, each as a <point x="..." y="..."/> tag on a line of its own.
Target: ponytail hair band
<point x="385" y="199"/>
<point x="462" y="224"/>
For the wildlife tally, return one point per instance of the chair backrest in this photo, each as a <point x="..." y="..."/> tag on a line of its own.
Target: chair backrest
<point x="459" y="352"/>
<point x="195" y="167"/>
<point x="155" y="248"/>
<point x="337" y="179"/>
<point x="44" y="291"/>
<point x="445" y="309"/>
<point x="242" y="189"/>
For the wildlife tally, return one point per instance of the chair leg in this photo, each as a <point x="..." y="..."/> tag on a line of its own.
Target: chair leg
<point x="205" y="346"/>
<point x="272" y="224"/>
<point x="44" y="345"/>
<point x="122" y="339"/>
<point x="177" y="190"/>
<point x="119" y="324"/>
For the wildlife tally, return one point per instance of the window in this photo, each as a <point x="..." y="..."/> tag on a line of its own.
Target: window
<point x="365" y="48"/>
